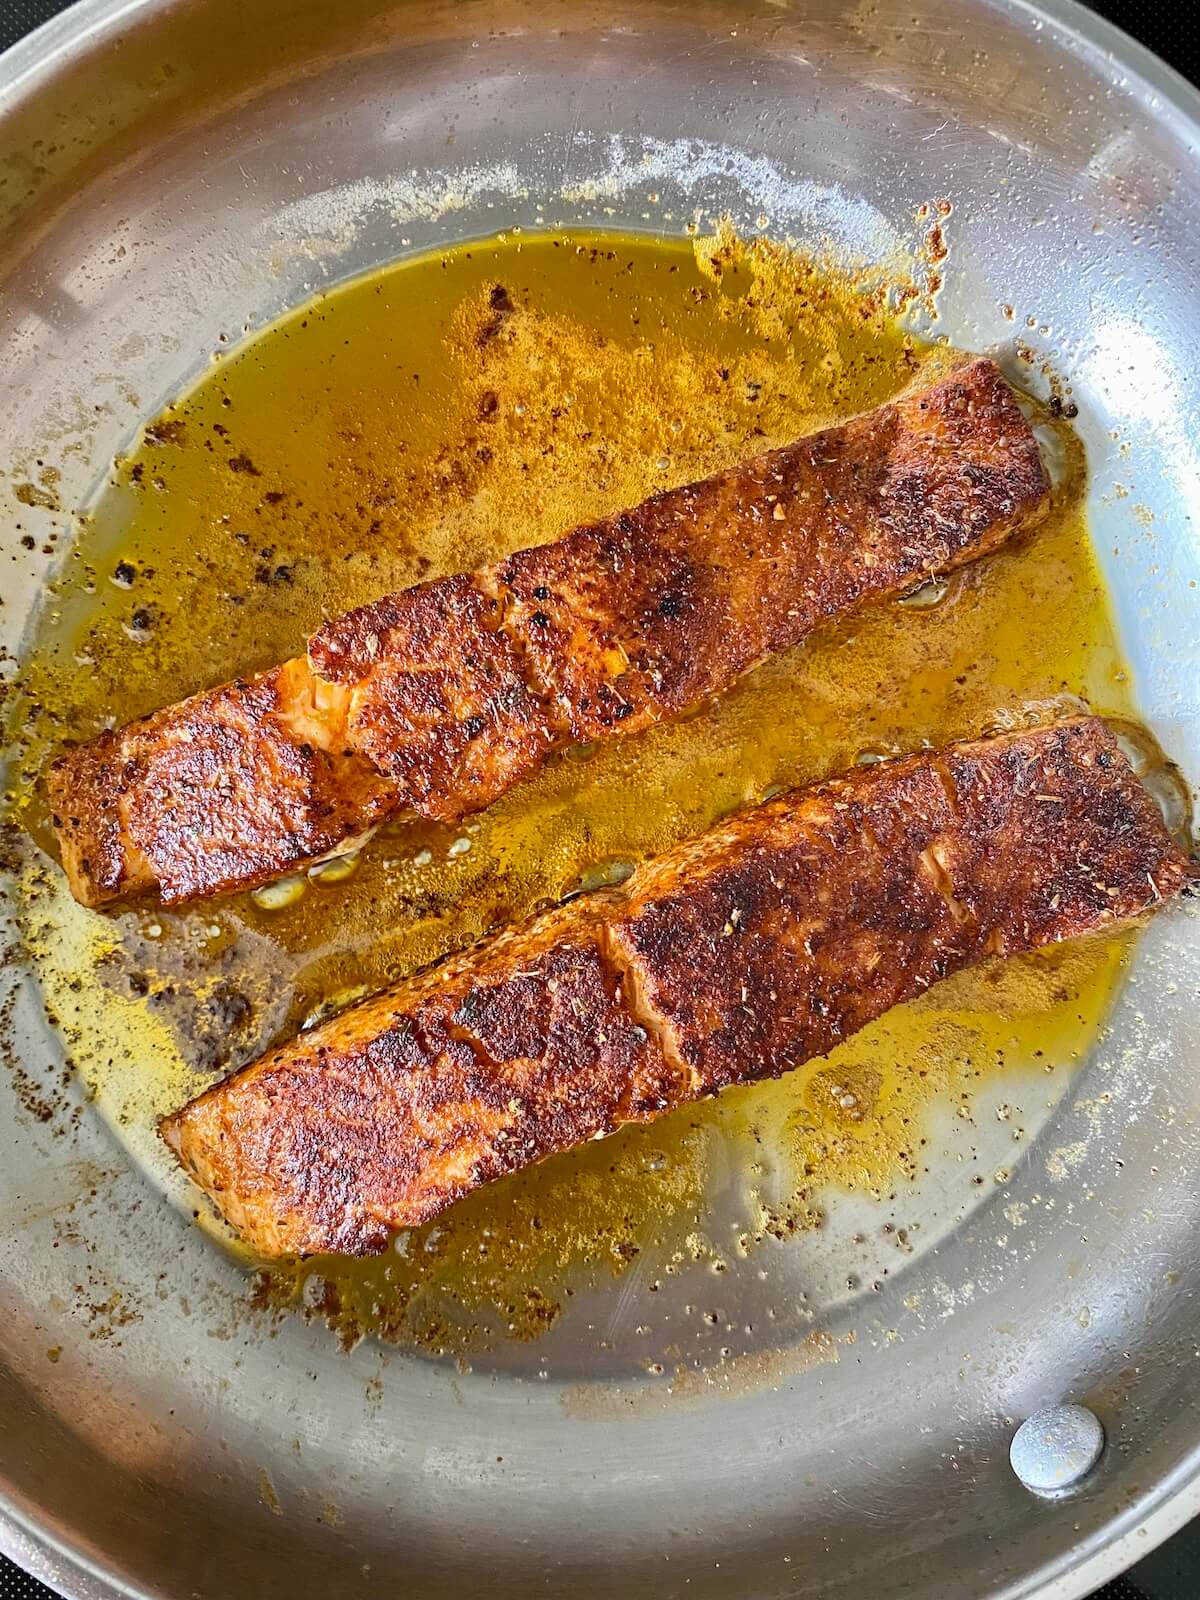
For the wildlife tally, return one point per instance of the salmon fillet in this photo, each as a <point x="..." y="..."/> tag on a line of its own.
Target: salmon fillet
<point x="735" y="957"/>
<point x="438" y="699"/>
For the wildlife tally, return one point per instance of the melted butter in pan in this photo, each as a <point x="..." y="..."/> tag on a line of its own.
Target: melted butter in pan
<point x="427" y="419"/>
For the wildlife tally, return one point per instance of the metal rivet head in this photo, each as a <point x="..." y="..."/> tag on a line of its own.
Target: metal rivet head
<point x="1055" y="1449"/>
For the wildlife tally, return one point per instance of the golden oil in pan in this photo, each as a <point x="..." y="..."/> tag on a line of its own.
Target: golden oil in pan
<point x="425" y="419"/>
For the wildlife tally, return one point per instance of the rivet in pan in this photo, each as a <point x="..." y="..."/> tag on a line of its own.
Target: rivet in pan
<point x="279" y="895"/>
<point x="335" y="871"/>
<point x="1169" y="791"/>
<point x="331" y="1005"/>
<point x="605" y="874"/>
<point x="1056" y="457"/>
<point x="929" y="594"/>
<point x="1055" y="1449"/>
<point x="1134" y="744"/>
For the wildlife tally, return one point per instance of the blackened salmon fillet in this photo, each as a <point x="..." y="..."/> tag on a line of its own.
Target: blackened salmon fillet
<point x="737" y="956"/>
<point x="436" y="700"/>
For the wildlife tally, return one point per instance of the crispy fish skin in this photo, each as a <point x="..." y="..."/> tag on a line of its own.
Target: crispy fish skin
<point x="488" y="1062"/>
<point x="735" y="957"/>
<point x="438" y="699"/>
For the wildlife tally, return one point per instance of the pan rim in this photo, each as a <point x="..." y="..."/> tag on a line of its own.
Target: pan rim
<point x="26" y="68"/>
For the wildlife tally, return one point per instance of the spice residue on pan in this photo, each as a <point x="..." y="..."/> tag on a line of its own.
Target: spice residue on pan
<point x="432" y="417"/>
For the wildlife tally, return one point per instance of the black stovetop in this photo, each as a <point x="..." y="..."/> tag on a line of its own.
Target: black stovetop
<point x="1173" y="1571"/>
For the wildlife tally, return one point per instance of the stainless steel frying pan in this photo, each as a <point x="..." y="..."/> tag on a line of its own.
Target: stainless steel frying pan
<point x="172" y="167"/>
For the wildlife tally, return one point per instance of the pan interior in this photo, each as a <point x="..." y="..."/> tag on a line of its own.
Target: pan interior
<point x="840" y="1405"/>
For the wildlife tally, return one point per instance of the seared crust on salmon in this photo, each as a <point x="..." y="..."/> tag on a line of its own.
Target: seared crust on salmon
<point x="790" y="926"/>
<point x="486" y="1063"/>
<point x="438" y="699"/>
<point x="735" y="957"/>
<point x="644" y="615"/>
<point x="219" y="790"/>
